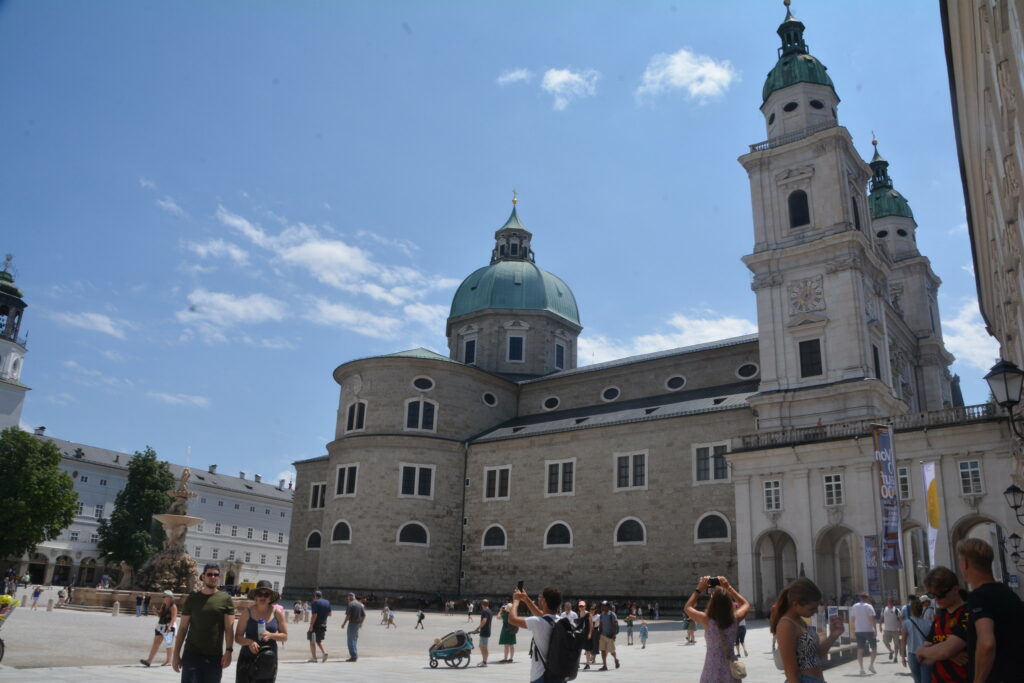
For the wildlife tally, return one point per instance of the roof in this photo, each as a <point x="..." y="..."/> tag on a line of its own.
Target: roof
<point x="103" y="456"/>
<point x="885" y="201"/>
<point x="515" y="285"/>
<point x="697" y="401"/>
<point x="425" y="354"/>
<point x="656" y="355"/>
<point x="795" y="65"/>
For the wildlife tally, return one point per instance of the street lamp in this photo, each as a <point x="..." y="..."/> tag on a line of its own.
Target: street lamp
<point x="1005" y="381"/>
<point x="1015" y="499"/>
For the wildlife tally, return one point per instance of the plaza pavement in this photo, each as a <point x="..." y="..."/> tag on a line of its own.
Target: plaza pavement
<point x="64" y="645"/>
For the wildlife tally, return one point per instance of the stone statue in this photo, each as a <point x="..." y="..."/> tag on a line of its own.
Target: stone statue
<point x="127" y="576"/>
<point x="173" y="568"/>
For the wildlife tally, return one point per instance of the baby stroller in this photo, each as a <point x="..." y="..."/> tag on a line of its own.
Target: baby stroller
<point x="454" y="649"/>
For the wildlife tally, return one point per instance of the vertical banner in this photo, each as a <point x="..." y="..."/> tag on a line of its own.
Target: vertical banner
<point x="931" y="496"/>
<point x="892" y="525"/>
<point x="872" y="573"/>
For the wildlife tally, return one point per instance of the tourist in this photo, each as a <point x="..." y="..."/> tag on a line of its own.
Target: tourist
<point x="391" y="618"/>
<point x="891" y="618"/>
<point x="484" y="629"/>
<point x="167" y="615"/>
<point x="916" y="625"/>
<point x="657" y="611"/>
<point x="741" y="635"/>
<point x="948" y="635"/>
<point x="419" y="620"/>
<point x="643" y="635"/>
<point x="35" y="596"/>
<point x="865" y="628"/>
<point x="996" y="627"/>
<point x="61" y="596"/>
<point x="800" y="647"/>
<point x="138" y="604"/>
<point x="691" y="629"/>
<point x="720" y="622"/>
<point x="319" y="609"/>
<point x="145" y="604"/>
<point x="297" y="610"/>
<point x="469" y="610"/>
<point x="539" y="626"/>
<point x="568" y="613"/>
<point x="507" y="637"/>
<point x="257" y="657"/>
<point x="630" y="617"/>
<point x="355" y="615"/>
<point x="207" y="618"/>
<point x="609" y="629"/>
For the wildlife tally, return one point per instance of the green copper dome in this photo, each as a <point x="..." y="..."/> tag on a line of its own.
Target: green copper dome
<point x="884" y="200"/>
<point x="516" y="285"/>
<point x="795" y="64"/>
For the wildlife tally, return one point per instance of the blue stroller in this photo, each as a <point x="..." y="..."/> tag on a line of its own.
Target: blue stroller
<point x="453" y="649"/>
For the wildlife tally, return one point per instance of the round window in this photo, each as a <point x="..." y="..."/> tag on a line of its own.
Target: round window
<point x="551" y="403"/>
<point x="790" y="106"/>
<point x="490" y="399"/>
<point x="423" y="383"/>
<point x="747" y="370"/>
<point x="883" y="233"/>
<point x="901" y="232"/>
<point x="610" y="394"/>
<point x="817" y="104"/>
<point x="675" y="382"/>
<point x="771" y="119"/>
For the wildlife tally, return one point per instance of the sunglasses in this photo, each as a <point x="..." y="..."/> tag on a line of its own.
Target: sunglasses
<point x="212" y="575"/>
<point x="262" y="594"/>
<point x="943" y="594"/>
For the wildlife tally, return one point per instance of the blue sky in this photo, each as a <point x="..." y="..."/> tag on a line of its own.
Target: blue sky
<point x="213" y="204"/>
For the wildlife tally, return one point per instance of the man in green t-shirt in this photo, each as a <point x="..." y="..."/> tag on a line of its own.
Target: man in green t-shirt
<point x="207" y="620"/>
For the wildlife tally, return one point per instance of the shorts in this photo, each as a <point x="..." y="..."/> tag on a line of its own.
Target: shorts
<point x="867" y="642"/>
<point x="891" y="637"/>
<point x="608" y="644"/>
<point x="741" y="634"/>
<point x="317" y="632"/>
<point x="484" y="641"/>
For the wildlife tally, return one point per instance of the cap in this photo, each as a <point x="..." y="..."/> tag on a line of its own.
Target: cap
<point x="169" y="593"/>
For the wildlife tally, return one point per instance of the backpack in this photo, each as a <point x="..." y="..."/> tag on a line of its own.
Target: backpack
<point x="564" y="647"/>
<point x="264" y="666"/>
<point x="615" y="624"/>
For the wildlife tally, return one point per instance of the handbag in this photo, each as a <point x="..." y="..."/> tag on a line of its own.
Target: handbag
<point x="737" y="669"/>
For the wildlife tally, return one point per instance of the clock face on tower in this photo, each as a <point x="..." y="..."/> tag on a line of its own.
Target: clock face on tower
<point x="806" y="295"/>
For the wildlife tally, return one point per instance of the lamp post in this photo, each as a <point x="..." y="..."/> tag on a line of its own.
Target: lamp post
<point x="1005" y="381"/>
<point x="1015" y="499"/>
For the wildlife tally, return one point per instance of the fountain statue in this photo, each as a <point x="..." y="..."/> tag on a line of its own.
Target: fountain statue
<point x="173" y="568"/>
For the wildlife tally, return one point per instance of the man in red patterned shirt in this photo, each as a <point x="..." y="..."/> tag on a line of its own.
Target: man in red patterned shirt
<point x="945" y="649"/>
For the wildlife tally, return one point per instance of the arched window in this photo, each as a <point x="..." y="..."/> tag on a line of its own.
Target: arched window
<point x="856" y="214"/>
<point x="313" y="541"/>
<point x="413" y="533"/>
<point x="799" y="212"/>
<point x="558" y="535"/>
<point x="420" y="414"/>
<point x="342" y="533"/>
<point x="630" y="531"/>
<point x="712" y="526"/>
<point x="356" y="418"/>
<point x="495" y="537"/>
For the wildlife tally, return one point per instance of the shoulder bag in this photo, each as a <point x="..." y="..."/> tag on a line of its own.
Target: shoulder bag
<point x="737" y="669"/>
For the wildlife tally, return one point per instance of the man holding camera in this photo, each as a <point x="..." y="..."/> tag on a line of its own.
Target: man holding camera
<point x="539" y="627"/>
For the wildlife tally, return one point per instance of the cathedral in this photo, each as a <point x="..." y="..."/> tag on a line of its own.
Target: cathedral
<point x="751" y="457"/>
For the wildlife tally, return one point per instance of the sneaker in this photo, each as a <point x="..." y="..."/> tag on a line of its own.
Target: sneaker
<point x="616" y="664"/>
<point x="481" y="664"/>
<point x="311" y="660"/>
<point x="603" y="668"/>
<point x="871" y="668"/>
<point x="325" y="657"/>
<point x="143" y="662"/>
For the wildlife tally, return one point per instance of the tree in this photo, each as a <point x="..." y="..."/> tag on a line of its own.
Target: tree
<point x="131" y="534"/>
<point x="37" y="499"/>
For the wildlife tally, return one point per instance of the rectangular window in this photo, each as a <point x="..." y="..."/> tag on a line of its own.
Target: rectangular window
<point x="216" y="528"/>
<point x="266" y="511"/>
<point x="94" y="538"/>
<point x="772" y="495"/>
<point x="203" y="501"/>
<point x="278" y="561"/>
<point x="103" y="482"/>
<point x="231" y="555"/>
<point x="317" y="493"/>
<point x="84" y="479"/>
<point x="833" y="490"/>
<point x="199" y="528"/>
<point x="515" y="348"/>
<point x="710" y="464"/>
<point x="73" y="535"/>
<point x="420" y="414"/>
<point x="560" y="356"/>
<point x="630" y="471"/>
<point x="810" y="358"/>
<point x="236" y="506"/>
<point x="560" y="477"/>
<point x="970" y="477"/>
<point x="99" y="511"/>
<point x="248" y="533"/>
<point x="81" y="509"/>
<point x="469" y="352"/>
<point x="252" y="508"/>
<point x="263" y="558"/>
<point x="280" y="537"/>
<point x="496" y="482"/>
<point x="198" y="552"/>
<point x="515" y="248"/>
<point x="266" y="535"/>
<point x="248" y="557"/>
<point x="878" y="362"/>
<point x="345" y="484"/>
<point x="220" y="503"/>
<point x="356" y="416"/>
<point x="234" y="530"/>
<point x="215" y="553"/>
<point x="417" y="481"/>
<point x="903" y="480"/>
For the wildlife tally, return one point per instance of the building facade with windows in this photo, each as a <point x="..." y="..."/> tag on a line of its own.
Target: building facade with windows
<point x="750" y="457"/>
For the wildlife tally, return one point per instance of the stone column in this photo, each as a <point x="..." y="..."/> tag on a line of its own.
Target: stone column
<point x="48" y="574"/>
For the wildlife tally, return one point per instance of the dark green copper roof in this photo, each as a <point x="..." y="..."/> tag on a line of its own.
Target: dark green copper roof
<point x="515" y="285"/>
<point x="884" y="200"/>
<point x="795" y="64"/>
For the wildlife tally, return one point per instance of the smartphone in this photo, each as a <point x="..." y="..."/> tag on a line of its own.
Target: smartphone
<point x="519" y="585"/>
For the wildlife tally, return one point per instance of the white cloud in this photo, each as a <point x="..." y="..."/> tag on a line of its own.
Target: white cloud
<point x="95" y="322"/>
<point x="211" y="313"/>
<point x="146" y="183"/>
<point x="958" y="229"/>
<point x="179" y="399"/>
<point x="968" y="268"/>
<point x="90" y="377"/>
<point x="363" y="322"/>
<point x="170" y="206"/>
<point x="431" y="316"/>
<point x="703" y="78"/>
<point x="62" y="399"/>
<point x="701" y="327"/>
<point x="966" y="338"/>
<point x="511" y="76"/>
<point x="216" y="248"/>
<point x="567" y="85"/>
<point x="287" y="475"/>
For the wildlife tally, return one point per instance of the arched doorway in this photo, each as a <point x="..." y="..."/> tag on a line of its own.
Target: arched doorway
<point x="61" y="571"/>
<point x="775" y="566"/>
<point x="976" y="526"/>
<point x="915" y="556"/>
<point x="87" y="572"/>
<point x="37" y="568"/>
<point x="839" y="564"/>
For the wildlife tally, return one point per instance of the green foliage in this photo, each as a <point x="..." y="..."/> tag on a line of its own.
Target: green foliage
<point x="130" y="533"/>
<point x="37" y="500"/>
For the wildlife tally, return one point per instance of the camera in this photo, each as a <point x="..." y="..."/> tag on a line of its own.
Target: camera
<point x="712" y="582"/>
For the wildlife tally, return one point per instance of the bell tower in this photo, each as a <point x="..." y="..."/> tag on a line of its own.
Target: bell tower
<point x="819" y="276"/>
<point x="12" y="348"/>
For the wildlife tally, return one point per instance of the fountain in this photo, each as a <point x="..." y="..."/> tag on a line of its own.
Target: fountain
<point x="172" y="568"/>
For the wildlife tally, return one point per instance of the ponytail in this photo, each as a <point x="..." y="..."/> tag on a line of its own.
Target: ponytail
<point x="800" y="592"/>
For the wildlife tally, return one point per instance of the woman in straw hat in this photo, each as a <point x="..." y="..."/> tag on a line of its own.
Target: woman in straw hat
<point x="258" y="652"/>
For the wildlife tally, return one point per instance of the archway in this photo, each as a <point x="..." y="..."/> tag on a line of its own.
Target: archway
<point x="87" y="572"/>
<point x="229" y="578"/>
<point x="37" y="568"/>
<point x="61" y="571"/>
<point x="775" y="566"/>
<point x="975" y="526"/>
<point x="839" y="564"/>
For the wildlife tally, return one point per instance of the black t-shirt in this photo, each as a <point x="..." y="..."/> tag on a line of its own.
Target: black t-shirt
<point x="999" y="603"/>
<point x="487" y="616"/>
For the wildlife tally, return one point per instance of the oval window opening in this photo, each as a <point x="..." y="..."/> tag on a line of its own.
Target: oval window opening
<point x="901" y="232"/>
<point x="551" y="403"/>
<point x="817" y="104"/>
<point x="490" y="399"/>
<point x="790" y="106"/>
<point x="610" y="394"/>
<point x="747" y="370"/>
<point x="883" y="233"/>
<point x="677" y="382"/>
<point x="423" y="383"/>
<point x="771" y="119"/>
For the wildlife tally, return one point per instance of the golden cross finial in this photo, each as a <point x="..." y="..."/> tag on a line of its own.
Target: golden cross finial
<point x="874" y="140"/>
<point x="514" y="199"/>
<point x="786" y="3"/>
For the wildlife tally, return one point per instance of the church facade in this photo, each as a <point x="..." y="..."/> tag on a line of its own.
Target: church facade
<point x="749" y="457"/>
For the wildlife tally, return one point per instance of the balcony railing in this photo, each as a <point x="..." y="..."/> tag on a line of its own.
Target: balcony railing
<point x="848" y="430"/>
<point x="792" y="137"/>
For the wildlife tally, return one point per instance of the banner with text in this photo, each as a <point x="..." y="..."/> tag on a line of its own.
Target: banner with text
<point x="931" y="497"/>
<point x="871" y="571"/>
<point x="892" y="524"/>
